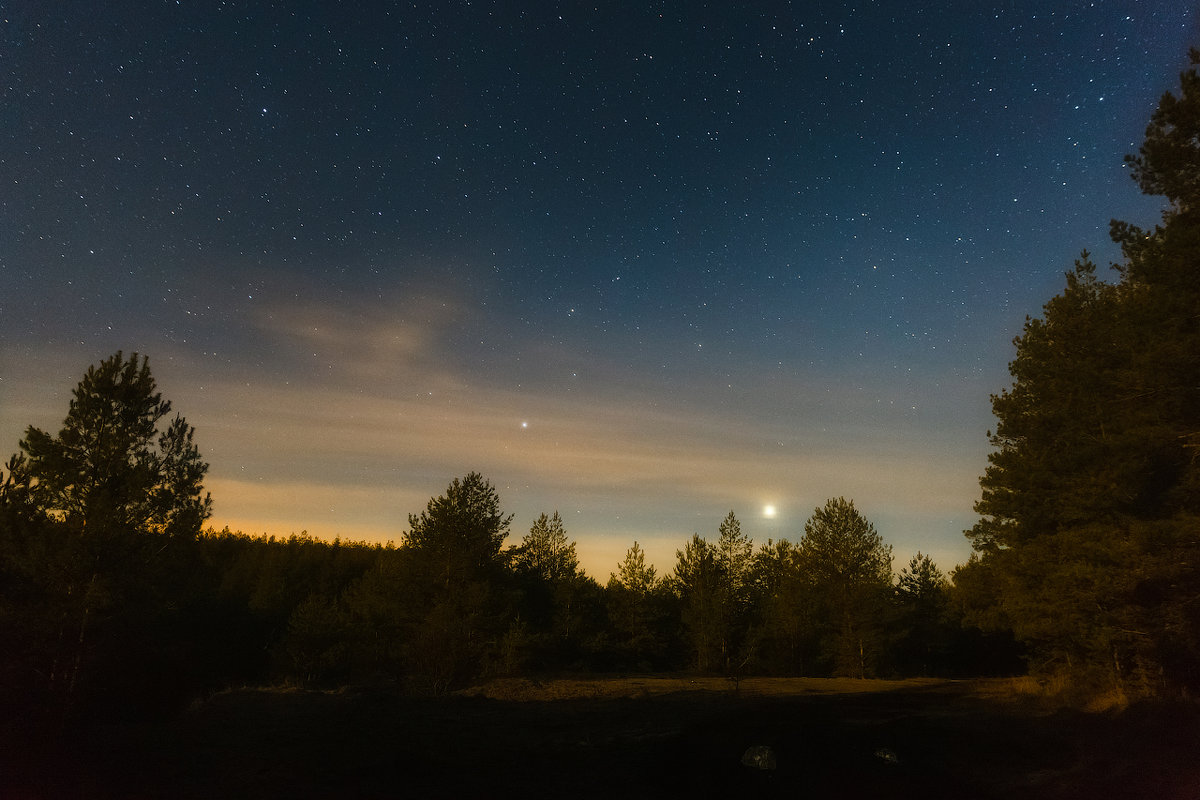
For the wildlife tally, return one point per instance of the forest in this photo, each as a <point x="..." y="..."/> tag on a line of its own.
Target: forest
<point x="140" y="622"/>
<point x="116" y="601"/>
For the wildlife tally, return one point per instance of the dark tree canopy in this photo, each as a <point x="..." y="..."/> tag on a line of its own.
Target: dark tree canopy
<point x="921" y="583"/>
<point x="842" y="548"/>
<point x="850" y="569"/>
<point x="1091" y="499"/>
<point x="463" y="530"/>
<point x="697" y="583"/>
<point x="635" y="611"/>
<point x="734" y="555"/>
<point x="921" y="627"/>
<point x="112" y="469"/>
<point x="1103" y="417"/>
<point x="633" y="574"/>
<point x="1053" y="462"/>
<point x="98" y="527"/>
<point x="546" y="552"/>
<point x="1168" y="162"/>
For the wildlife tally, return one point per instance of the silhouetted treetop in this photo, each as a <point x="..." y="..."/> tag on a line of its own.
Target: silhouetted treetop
<point x="463" y="529"/>
<point x="546" y="552"/>
<point x="112" y="469"/>
<point x="1091" y="499"/>
<point x="633" y="574"/>
<point x="1168" y="162"/>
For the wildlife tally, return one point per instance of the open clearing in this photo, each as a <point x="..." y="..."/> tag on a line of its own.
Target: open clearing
<point x="629" y="737"/>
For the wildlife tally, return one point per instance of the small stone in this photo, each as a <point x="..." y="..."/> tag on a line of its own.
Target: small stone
<point x="887" y="756"/>
<point x="759" y="757"/>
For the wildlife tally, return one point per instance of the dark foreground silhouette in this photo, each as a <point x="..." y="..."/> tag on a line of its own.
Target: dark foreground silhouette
<point x="925" y="740"/>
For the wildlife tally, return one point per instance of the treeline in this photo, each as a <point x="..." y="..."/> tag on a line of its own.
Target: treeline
<point x="118" y="620"/>
<point x="438" y="615"/>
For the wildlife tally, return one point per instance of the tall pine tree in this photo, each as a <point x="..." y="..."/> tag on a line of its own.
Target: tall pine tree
<point x="1090" y="504"/>
<point x="96" y="529"/>
<point x="850" y="569"/>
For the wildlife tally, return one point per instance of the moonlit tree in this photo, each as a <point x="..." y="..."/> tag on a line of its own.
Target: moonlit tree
<point x="546" y="552"/>
<point x="633" y="574"/>
<point x="1090" y="501"/>
<point x="460" y="533"/>
<point x="850" y="566"/>
<point x="632" y="594"/>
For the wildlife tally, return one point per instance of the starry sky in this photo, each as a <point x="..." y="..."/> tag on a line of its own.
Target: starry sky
<point x="638" y="263"/>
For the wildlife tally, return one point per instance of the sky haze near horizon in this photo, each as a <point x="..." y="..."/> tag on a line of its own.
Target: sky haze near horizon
<point x="638" y="265"/>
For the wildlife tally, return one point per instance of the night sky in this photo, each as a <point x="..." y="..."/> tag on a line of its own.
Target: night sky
<point x="641" y="265"/>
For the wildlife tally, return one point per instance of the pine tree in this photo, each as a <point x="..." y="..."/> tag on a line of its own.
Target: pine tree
<point x="1091" y="499"/>
<point x="633" y="574"/>
<point x="99" y="521"/>
<point x="922" y="598"/>
<point x="547" y="568"/>
<point x="632" y="594"/>
<point x="850" y="569"/>
<point x="453" y="615"/>
<point x="111" y="471"/>
<point x="697" y="584"/>
<point x="546" y="552"/>
<point x="782" y="606"/>
<point x="461" y="532"/>
<point x="734" y="554"/>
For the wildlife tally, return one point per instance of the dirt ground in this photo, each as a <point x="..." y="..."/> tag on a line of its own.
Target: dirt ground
<point x="631" y="738"/>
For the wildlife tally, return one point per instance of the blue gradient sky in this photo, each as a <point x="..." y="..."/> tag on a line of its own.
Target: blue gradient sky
<point x="640" y="265"/>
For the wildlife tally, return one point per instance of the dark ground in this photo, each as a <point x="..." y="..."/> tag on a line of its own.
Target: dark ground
<point x="921" y="741"/>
